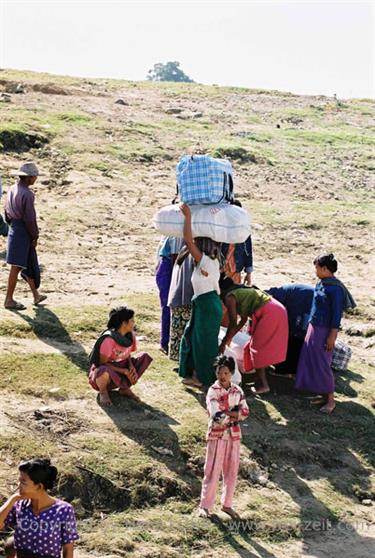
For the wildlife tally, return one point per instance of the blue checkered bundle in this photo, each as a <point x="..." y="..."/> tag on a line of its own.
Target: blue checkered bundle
<point x="201" y="179"/>
<point x="341" y="356"/>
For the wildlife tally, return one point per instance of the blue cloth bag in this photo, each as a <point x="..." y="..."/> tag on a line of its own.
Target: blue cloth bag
<point x="201" y="179"/>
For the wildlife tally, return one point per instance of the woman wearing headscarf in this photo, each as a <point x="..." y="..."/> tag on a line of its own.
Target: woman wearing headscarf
<point x="199" y="344"/>
<point x="331" y="298"/>
<point x="269" y="327"/>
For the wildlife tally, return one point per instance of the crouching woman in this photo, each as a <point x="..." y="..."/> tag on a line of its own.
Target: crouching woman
<point x="43" y="526"/>
<point x="112" y="366"/>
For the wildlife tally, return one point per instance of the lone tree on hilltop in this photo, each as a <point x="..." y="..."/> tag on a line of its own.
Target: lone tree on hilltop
<point x="170" y="71"/>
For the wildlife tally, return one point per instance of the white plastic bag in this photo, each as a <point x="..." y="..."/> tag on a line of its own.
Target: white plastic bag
<point x="236" y="347"/>
<point x="222" y="223"/>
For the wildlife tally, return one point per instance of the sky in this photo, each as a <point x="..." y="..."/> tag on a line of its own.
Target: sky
<point x="307" y="47"/>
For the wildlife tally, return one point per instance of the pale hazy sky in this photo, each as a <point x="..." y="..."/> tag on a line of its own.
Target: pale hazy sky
<point x="305" y="47"/>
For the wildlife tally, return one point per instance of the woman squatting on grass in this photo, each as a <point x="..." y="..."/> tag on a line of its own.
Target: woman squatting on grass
<point x="226" y="406"/>
<point x="43" y="526"/>
<point x="331" y="298"/>
<point x="112" y="366"/>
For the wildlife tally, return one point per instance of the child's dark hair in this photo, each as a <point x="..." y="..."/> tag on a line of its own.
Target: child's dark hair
<point x="40" y="471"/>
<point x="224" y="360"/>
<point x="119" y="315"/>
<point x="328" y="261"/>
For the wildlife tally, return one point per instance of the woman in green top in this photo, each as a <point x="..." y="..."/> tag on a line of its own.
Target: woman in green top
<point x="269" y="327"/>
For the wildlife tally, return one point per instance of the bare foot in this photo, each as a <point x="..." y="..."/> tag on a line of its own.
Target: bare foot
<point x="203" y="512"/>
<point x="230" y="511"/>
<point x="328" y="408"/>
<point x="39" y="299"/>
<point x="127" y="392"/>
<point x="260" y="391"/>
<point x="104" y="399"/>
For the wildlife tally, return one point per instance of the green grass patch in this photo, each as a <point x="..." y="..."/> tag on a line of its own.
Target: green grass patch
<point x="38" y="374"/>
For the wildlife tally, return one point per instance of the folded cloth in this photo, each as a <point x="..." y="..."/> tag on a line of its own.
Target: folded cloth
<point x="349" y="301"/>
<point x="33" y="270"/>
<point x="126" y="340"/>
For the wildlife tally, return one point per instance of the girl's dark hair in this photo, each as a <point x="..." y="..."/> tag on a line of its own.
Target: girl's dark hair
<point x="225" y="283"/>
<point x="224" y="360"/>
<point x="40" y="471"/>
<point x="328" y="261"/>
<point x="119" y="315"/>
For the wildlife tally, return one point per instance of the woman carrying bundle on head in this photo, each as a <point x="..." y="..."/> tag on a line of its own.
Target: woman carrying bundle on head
<point x="331" y="298"/>
<point x="199" y="344"/>
<point x="43" y="526"/>
<point x="269" y="327"/>
<point x="112" y="365"/>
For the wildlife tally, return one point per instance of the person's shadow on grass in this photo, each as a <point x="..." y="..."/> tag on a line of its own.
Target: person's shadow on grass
<point x="48" y="327"/>
<point x="151" y="429"/>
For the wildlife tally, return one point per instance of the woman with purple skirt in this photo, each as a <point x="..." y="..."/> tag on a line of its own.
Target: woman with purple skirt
<point x="331" y="298"/>
<point x="168" y="249"/>
<point x="112" y="366"/>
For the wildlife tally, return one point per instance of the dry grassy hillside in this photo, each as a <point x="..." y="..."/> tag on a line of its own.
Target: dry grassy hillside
<point x="303" y="168"/>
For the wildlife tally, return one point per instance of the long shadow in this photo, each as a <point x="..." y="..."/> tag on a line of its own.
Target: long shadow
<point x="151" y="428"/>
<point x="234" y="530"/>
<point x="307" y="444"/>
<point x="47" y="326"/>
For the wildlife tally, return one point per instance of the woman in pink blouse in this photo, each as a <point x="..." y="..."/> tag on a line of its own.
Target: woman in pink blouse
<point x="112" y="366"/>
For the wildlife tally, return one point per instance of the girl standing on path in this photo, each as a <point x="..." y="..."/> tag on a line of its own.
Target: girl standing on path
<point x="199" y="344"/>
<point x="43" y="526"/>
<point x="23" y="236"/>
<point x="226" y="406"/>
<point x="331" y="298"/>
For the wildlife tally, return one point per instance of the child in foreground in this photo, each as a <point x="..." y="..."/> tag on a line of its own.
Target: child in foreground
<point x="226" y="406"/>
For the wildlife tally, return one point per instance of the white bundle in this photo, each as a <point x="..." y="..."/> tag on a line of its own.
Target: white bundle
<point x="222" y="223"/>
<point x="236" y="346"/>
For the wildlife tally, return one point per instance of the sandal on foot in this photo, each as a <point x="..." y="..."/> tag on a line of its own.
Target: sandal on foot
<point x="40" y="299"/>
<point x="233" y="514"/>
<point x="327" y="410"/>
<point x="260" y="391"/>
<point x="15" y="306"/>
<point x="192" y="383"/>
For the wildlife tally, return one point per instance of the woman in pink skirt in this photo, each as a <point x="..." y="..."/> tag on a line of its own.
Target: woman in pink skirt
<point x="269" y="327"/>
<point x="112" y="366"/>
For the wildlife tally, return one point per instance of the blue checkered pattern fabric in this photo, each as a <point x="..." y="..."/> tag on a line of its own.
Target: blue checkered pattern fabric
<point x="202" y="179"/>
<point x="341" y="356"/>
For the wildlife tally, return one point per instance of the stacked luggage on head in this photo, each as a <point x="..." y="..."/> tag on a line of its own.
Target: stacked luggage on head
<point x="205" y="184"/>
